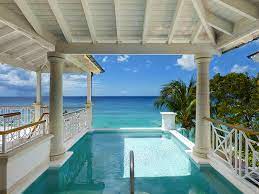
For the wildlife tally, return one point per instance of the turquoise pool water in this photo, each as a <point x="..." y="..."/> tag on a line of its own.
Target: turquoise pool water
<point x="100" y="164"/>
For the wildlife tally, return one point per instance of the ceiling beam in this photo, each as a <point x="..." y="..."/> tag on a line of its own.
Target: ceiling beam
<point x="21" y="25"/>
<point x="89" y="19"/>
<point x="196" y="32"/>
<point x="243" y="33"/>
<point x="13" y="44"/>
<point x="201" y="12"/>
<point x="25" y="49"/>
<point x="220" y="24"/>
<point x="241" y="7"/>
<point x="134" y="48"/>
<point x="27" y="12"/>
<point x="8" y="59"/>
<point x="117" y="16"/>
<point x="34" y="55"/>
<point x="177" y="14"/>
<point x="148" y="9"/>
<point x="5" y="31"/>
<point x="60" y="19"/>
<point x="40" y="63"/>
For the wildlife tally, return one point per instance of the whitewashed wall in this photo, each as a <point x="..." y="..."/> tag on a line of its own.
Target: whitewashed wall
<point x="20" y="167"/>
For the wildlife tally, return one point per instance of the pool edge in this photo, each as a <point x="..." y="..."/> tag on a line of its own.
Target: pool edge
<point x="243" y="186"/>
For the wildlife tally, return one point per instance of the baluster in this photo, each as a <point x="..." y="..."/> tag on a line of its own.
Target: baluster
<point x="236" y="150"/>
<point x="225" y="144"/>
<point x="230" y="152"/>
<point x="3" y="140"/>
<point x="246" y="156"/>
<point x="19" y="133"/>
<point x="45" y="126"/>
<point x="213" y="136"/>
<point x="240" y="153"/>
<point x="254" y="160"/>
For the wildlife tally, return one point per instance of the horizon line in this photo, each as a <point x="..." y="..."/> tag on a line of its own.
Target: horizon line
<point x="79" y="96"/>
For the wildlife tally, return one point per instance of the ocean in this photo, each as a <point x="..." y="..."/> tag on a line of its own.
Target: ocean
<point x="108" y="111"/>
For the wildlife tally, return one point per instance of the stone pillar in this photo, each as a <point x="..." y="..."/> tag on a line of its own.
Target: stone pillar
<point x="56" y="120"/>
<point x="89" y="100"/>
<point x="168" y="120"/>
<point x="202" y="132"/>
<point x="37" y="104"/>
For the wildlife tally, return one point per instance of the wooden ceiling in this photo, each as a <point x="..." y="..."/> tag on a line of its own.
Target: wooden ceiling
<point x="31" y="28"/>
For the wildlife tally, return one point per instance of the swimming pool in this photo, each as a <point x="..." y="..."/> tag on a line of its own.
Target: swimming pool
<point x="100" y="164"/>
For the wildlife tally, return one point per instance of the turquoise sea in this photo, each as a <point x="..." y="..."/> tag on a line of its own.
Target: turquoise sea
<point x="108" y="112"/>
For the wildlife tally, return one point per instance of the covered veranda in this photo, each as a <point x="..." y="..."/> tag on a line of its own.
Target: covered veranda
<point x="59" y="36"/>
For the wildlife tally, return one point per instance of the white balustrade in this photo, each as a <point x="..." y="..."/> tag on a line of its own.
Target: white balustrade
<point x="9" y="121"/>
<point x="27" y="112"/>
<point x="74" y="123"/>
<point x="237" y="150"/>
<point x="13" y="138"/>
<point x="44" y="109"/>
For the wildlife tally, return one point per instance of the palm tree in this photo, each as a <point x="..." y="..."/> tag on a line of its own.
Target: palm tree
<point x="179" y="97"/>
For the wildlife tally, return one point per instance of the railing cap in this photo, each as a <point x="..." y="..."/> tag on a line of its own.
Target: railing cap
<point x="6" y="115"/>
<point x="245" y="130"/>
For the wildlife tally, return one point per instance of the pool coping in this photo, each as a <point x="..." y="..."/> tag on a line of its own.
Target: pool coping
<point x="218" y="165"/>
<point x="199" y="162"/>
<point x="68" y="144"/>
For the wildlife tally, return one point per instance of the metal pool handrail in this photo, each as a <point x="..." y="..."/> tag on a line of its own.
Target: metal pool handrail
<point x="131" y="172"/>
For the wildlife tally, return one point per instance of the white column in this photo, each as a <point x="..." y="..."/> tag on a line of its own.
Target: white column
<point x="168" y="120"/>
<point x="89" y="100"/>
<point x="37" y="105"/>
<point x="202" y="132"/>
<point x="56" y="105"/>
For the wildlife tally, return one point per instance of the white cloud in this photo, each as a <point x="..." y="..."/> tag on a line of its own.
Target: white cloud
<point x="122" y="58"/>
<point x="105" y="59"/>
<point x="239" y="69"/>
<point x="134" y="70"/>
<point x="186" y="62"/>
<point x="10" y="76"/>
<point x="216" y="69"/>
<point x="20" y="82"/>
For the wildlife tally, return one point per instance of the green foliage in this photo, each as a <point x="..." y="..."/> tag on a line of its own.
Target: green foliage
<point x="235" y="99"/>
<point x="178" y="97"/>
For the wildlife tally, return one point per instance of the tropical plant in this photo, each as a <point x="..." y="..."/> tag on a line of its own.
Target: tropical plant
<point x="179" y="97"/>
<point x="235" y="99"/>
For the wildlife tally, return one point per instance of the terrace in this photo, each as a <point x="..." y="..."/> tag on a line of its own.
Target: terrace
<point x="59" y="36"/>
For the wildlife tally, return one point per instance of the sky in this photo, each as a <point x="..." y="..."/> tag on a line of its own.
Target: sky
<point x="130" y="75"/>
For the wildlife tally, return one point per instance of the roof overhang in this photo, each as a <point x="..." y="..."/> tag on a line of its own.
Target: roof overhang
<point x="29" y="30"/>
<point x="75" y="63"/>
<point x="254" y="57"/>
